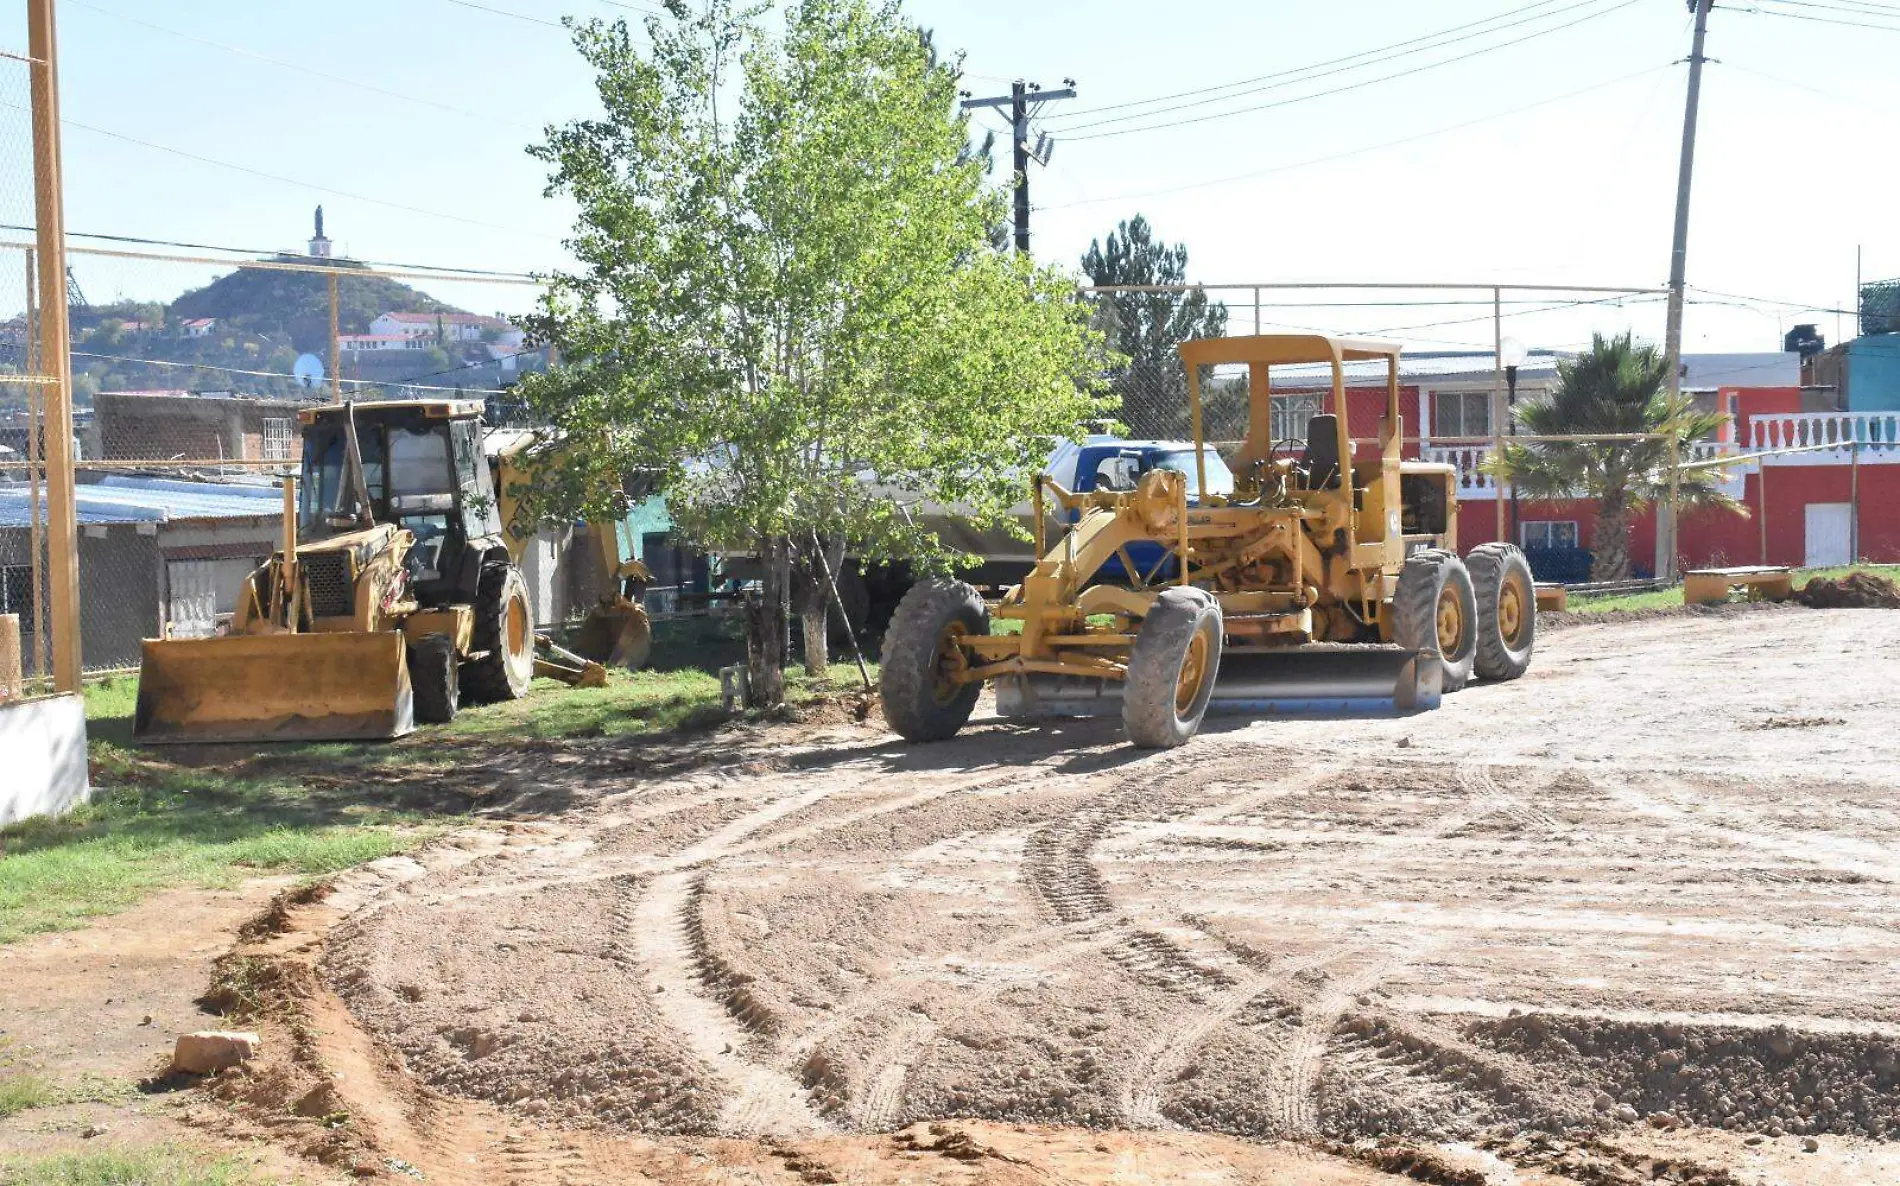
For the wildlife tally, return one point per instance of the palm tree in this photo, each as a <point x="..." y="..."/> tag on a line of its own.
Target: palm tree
<point x="1618" y="388"/>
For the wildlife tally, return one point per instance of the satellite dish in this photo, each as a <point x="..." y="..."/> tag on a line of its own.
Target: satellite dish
<point x="308" y="372"/>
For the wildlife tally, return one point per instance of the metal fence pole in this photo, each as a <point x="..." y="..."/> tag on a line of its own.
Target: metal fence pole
<point x="49" y="217"/>
<point x="35" y="478"/>
<point x="336" y="366"/>
<point x="1497" y="404"/>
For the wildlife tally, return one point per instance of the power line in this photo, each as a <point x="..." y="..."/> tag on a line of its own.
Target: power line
<point x="311" y="185"/>
<point x="1381" y="146"/>
<point x="1352" y="86"/>
<point x="1819" y="20"/>
<point x="361" y="383"/>
<point x="1330" y="66"/>
<point x="489" y="8"/>
<point x="525" y="277"/>
<point x="300" y="67"/>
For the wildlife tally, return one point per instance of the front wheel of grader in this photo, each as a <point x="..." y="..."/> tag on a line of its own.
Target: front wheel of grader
<point x="1172" y="669"/>
<point x="923" y="654"/>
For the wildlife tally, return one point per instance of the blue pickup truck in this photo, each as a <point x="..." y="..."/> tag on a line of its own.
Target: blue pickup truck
<point x="1103" y="462"/>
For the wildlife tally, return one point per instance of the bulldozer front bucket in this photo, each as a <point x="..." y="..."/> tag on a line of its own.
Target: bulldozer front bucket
<point x="274" y="687"/>
<point x="1299" y="680"/>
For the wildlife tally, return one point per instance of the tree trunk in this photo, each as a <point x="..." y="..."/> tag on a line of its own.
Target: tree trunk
<point x="767" y="622"/>
<point x="1610" y="542"/>
<point x="816" y="606"/>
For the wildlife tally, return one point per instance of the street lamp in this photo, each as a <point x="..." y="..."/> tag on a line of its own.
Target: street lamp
<point x="1512" y="354"/>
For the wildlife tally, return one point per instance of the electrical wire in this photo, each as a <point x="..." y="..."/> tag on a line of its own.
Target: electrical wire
<point x="1819" y="20"/>
<point x="361" y="384"/>
<point x="489" y="8"/>
<point x="1354" y="152"/>
<point x="1245" y="86"/>
<point x="1069" y="133"/>
<point x="301" y="68"/>
<point x="311" y="185"/>
<point x="525" y="277"/>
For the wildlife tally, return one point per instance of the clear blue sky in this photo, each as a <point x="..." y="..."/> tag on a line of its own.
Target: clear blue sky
<point x="1545" y="184"/>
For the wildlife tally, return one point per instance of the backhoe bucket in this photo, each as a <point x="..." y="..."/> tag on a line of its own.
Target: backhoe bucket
<point x="1317" y="680"/>
<point x="616" y="633"/>
<point x="274" y="687"/>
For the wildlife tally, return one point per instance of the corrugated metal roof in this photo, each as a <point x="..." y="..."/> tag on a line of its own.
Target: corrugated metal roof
<point x="126" y="498"/>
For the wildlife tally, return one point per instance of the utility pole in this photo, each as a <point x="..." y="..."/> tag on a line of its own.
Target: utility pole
<point x="1678" y="267"/>
<point x="1021" y="98"/>
<point x="49" y="217"/>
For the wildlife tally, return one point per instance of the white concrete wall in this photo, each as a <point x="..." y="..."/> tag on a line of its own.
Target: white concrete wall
<point x="42" y="757"/>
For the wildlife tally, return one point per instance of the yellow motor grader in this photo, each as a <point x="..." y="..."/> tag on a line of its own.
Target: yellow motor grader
<point x="1313" y="579"/>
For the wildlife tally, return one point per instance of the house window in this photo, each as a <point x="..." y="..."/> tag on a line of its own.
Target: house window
<point x="1556" y="534"/>
<point x="276" y="438"/>
<point x="1291" y="413"/>
<point x="1461" y="414"/>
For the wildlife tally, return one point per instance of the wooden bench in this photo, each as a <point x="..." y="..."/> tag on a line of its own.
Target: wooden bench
<point x="1709" y="586"/>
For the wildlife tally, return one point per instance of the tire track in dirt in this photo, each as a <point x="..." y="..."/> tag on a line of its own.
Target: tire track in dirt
<point x="1164" y="1058"/>
<point x="1295" y="1075"/>
<point x="1480" y="781"/>
<point x="767" y="1100"/>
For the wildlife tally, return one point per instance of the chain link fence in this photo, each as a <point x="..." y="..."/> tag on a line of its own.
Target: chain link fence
<point x="189" y="373"/>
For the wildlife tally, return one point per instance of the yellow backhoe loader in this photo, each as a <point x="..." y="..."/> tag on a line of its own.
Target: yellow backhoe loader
<point x="1303" y="578"/>
<point x="392" y="598"/>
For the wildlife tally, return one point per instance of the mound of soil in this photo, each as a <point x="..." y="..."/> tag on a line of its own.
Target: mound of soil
<point x="1856" y="590"/>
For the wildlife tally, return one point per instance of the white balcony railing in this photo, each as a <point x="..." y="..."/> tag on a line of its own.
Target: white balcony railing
<point x="1472" y="483"/>
<point x="1877" y="434"/>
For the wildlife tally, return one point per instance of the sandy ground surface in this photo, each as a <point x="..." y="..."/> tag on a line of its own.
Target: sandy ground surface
<point x="1630" y="916"/>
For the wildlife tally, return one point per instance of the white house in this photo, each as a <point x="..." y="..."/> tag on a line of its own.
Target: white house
<point x="456" y="327"/>
<point x="356" y="343"/>
<point x="198" y="327"/>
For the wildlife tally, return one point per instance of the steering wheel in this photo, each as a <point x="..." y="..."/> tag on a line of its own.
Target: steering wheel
<point x="1290" y="449"/>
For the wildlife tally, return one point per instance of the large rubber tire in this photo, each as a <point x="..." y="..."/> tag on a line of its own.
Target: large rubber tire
<point x="1507" y="610"/>
<point x="920" y="650"/>
<point x="1172" y="669"/>
<point x="1434" y="610"/>
<point x="504" y="636"/>
<point x="433" y="676"/>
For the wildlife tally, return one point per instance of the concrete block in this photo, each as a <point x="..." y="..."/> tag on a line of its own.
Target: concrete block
<point x="42" y="757"/>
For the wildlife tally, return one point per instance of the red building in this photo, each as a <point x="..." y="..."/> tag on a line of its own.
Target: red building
<point x="1820" y="486"/>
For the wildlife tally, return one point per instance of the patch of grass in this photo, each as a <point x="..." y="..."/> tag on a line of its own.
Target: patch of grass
<point x="20" y="1090"/>
<point x="125" y="1167"/>
<point x="184" y="827"/>
<point x="1672" y="596"/>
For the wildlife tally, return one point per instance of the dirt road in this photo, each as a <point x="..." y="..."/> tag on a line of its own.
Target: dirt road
<point x="1646" y="893"/>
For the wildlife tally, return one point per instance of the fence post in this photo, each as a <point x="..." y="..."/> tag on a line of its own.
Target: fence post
<point x="1498" y="409"/>
<point x="49" y="217"/>
<point x="11" y="687"/>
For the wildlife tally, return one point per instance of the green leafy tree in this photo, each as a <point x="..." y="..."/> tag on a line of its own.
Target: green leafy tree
<point x="1147" y="327"/>
<point x="786" y="307"/>
<point x="1618" y="387"/>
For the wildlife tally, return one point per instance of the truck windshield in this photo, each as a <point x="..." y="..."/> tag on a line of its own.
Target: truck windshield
<point x="325" y="478"/>
<point x="1220" y="479"/>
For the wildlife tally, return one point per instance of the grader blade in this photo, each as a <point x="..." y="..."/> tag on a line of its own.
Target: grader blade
<point x="274" y="687"/>
<point x="1317" y="680"/>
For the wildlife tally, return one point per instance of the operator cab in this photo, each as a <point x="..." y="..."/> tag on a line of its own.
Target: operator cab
<point x="423" y="471"/>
